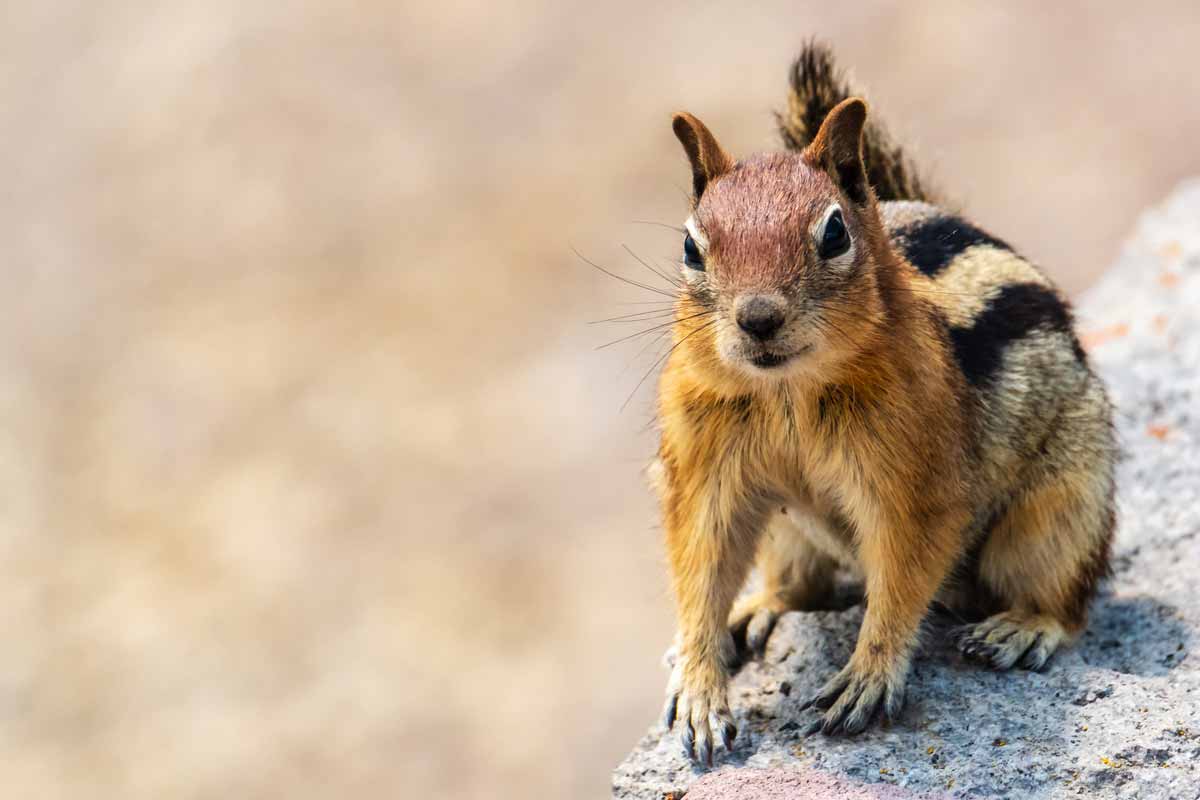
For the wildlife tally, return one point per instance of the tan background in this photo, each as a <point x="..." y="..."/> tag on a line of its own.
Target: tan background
<point x="311" y="480"/>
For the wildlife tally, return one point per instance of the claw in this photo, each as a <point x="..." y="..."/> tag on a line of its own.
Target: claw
<point x="759" y="630"/>
<point x="706" y="750"/>
<point x="830" y="692"/>
<point x="857" y="723"/>
<point x="834" y="721"/>
<point x="670" y="710"/>
<point x="688" y="739"/>
<point x="1030" y="653"/>
<point x="866" y="709"/>
<point x="1013" y="639"/>
<point x="728" y="734"/>
<point x="1004" y="638"/>
<point x="823" y="702"/>
<point x="893" y="705"/>
<point x="1034" y="658"/>
<point x="853" y="701"/>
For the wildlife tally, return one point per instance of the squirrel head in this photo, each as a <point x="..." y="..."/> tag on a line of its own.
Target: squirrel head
<point x="781" y="254"/>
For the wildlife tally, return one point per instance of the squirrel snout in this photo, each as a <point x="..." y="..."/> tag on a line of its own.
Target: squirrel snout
<point x="760" y="316"/>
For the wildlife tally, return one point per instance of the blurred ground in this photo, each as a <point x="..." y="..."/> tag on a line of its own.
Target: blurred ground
<point x="311" y="480"/>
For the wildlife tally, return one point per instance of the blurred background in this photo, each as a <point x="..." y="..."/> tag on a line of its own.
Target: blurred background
<point x="312" y="479"/>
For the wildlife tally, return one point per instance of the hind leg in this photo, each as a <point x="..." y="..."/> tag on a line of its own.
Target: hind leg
<point x="1043" y="560"/>
<point x="795" y="574"/>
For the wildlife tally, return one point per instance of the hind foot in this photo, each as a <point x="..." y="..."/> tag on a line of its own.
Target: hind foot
<point x="1012" y="639"/>
<point x="751" y="622"/>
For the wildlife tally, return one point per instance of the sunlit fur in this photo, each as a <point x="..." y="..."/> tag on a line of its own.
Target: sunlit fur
<point x="758" y="226"/>
<point x="933" y="483"/>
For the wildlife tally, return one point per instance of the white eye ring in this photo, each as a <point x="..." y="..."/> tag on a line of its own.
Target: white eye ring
<point x="834" y="244"/>
<point x="700" y="243"/>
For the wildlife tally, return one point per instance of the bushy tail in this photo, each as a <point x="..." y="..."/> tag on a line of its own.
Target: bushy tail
<point x="818" y="86"/>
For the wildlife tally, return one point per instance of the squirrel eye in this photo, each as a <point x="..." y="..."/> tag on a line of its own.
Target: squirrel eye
<point x="691" y="254"/>
<point x="835" y="240"/>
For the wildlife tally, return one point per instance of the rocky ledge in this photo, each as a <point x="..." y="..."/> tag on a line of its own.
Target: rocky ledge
<point x="1118" y="715"/>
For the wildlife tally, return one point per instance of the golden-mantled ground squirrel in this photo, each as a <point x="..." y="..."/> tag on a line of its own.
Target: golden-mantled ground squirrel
<point x="862" y="379"/>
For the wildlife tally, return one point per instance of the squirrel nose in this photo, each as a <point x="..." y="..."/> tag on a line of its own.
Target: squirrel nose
<point x="760" y="317"/>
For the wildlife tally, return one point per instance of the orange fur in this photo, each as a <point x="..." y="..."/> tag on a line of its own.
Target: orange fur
<point x="870" y="432"/>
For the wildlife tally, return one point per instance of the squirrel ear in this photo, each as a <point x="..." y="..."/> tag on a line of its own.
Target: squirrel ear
<point x="837" y="148"/>
<point x="708" y="159"/>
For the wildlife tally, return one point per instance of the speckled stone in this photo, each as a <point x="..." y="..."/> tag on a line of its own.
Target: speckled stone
<point x="1118" y="715"/>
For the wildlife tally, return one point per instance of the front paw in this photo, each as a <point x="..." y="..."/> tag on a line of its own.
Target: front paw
<point x="751" y="622"/>
<point x="700" y="706"/>
<point x="854" y="697"/>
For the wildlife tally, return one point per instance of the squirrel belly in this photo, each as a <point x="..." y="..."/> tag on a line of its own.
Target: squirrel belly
<point x="861" y="378"/>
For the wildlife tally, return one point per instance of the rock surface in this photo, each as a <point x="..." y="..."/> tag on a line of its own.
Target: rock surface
<point x="1118" y="715"/>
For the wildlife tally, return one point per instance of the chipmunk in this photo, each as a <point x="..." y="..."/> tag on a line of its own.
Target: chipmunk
<point x="903" y="385"/>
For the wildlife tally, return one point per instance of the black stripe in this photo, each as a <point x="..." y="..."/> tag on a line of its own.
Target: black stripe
<point x="1018" y="309"/>
<point x="931" y="244"/>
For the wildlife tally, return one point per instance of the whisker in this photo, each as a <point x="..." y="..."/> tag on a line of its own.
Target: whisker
<point x="666" y="355"/>
<point x="825" y="323"/>
<point x="654" y="340"/>
<point x="654" y="328"/>
<point x="676" y="263"/>
<point x="839" y="329"/>
<point x="676" y="228"/>
<point x="631" y="282"/>
<point x="649" y="303"/>
<point x="637" y="316"/>
<point x="674" y="281"/>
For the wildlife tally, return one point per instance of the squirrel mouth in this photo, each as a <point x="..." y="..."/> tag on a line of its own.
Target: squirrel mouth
<point x="768" y="360"/>
<point x="772" y="360"/>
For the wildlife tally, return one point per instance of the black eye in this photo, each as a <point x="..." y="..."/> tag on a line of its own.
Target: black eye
<point x="836" y="239"/>
<point x="691" y="254"/>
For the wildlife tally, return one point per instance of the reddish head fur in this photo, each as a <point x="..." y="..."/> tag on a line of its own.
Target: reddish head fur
<point x="759" y="222"/>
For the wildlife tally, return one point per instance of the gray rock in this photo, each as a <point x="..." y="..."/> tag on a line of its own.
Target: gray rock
<point x="1118" y="715"/>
